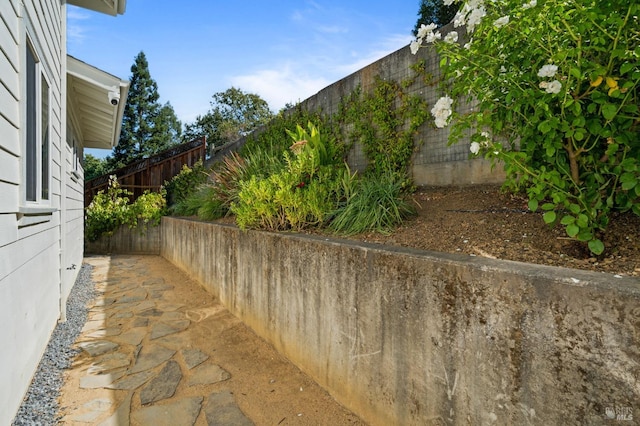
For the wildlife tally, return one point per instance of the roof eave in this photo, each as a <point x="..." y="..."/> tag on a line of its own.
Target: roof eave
<point x="90" y="93"/>
<point x="110" y="7"/>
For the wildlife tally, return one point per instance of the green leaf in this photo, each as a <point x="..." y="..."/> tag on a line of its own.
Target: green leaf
<point x="609" y="111"/>
<point x="548" y="206"/>
<point x="628" y="185"/>
<point x="533" y="205"/>
<point x="544" y="127"/>
<point x="596" y="246"/>
<point x="583" y="221"/>
<point x="567" y="220"/>
<point x="576" y="73"/>
<point x="549" y="217"/>
<point x="585" y="236"/>
<point x="628" y="177"/>
<point x="572" y="230"/>
<point x="626" y="67"/>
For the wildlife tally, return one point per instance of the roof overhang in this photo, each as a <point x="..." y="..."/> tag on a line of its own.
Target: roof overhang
<point x="110" y="7"/>
<point x="96" y="100"/>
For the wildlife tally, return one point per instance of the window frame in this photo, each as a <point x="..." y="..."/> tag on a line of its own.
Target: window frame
<point x="37" y="159"/>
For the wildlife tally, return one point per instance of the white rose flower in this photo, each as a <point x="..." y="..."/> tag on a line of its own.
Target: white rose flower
<point x="459" y="19"/>
<point x="422" y="31"/>
<point x="441" y="111"/>
<point x="501" y="22"/>
<point x="554" y="87"/>
<point x="475" y="17"/>
<point x="432" y="37"/>
<point x="548" y="71"/>
<point x="415" y="46"/>
<point x="452" y="37"/>
<point x="474" y="148"/>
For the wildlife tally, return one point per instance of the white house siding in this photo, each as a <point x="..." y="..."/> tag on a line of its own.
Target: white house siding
<point x="32" y="281"/>
<point x="73" y="214"/>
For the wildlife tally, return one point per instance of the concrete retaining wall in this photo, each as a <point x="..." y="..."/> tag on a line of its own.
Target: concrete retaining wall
<point x="419" y="338"/>
<point x="145" y="239"/>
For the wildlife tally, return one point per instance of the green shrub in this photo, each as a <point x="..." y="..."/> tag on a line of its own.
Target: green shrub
<point x="299" y="196"/>
<point x="107" y="211"/>
<point x="113" y="208"/>
<point x="185" y="183"/>
<point x="149" y="207"/>
<point x="286" y="200"/>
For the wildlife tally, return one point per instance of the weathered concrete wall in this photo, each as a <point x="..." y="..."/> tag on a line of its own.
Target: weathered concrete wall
<point x="420" y="338"/>
<point x="145" y="239"/>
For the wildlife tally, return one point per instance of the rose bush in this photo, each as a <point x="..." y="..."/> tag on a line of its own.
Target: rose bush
<point x="556" y="91"/>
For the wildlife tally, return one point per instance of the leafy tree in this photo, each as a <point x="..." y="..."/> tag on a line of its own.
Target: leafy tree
<point x="233" y="114"/>
<point x="147" y="126"/>
<point x="94" y="167"/>
<point x="435" y="11"/>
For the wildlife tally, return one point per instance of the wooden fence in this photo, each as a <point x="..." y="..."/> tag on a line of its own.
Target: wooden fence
<point x="150" y="173"/>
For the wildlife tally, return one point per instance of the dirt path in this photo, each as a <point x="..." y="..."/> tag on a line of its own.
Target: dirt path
<point x="158" y="349"/>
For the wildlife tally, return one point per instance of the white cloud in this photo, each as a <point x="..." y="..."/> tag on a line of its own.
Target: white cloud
<point x="75" y="30"/>
<point x="282" y="86"/>
<point x="295" y="81"/>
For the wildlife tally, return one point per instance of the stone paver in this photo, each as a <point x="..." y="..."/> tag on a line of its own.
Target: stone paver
<point x="162" y="386"/>
<point x="221" y="410"/>
<point x="179" y="413"/>
<point x="147" y="359"/>
<point x="207" y="374"/>
<point x="193" y="357"/>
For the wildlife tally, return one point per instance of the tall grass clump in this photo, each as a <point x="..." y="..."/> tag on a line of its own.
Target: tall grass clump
<point x="374" y="203"/>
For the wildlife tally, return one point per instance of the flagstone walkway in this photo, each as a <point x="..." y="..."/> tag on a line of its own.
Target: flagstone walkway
<point x="157" y="349"/>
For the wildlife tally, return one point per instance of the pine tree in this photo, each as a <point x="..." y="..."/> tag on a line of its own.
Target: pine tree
<point x="166" y="132"/>
<point x="147" y="126"/>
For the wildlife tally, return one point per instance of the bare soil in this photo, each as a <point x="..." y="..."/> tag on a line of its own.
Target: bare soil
<point x="485" y="221"/>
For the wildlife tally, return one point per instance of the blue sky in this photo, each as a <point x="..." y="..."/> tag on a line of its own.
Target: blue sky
<point x="285" y="51"/>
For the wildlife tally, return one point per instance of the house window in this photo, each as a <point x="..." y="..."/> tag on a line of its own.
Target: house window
<point x="76" y="160"/>
<point x="37" y="131"/>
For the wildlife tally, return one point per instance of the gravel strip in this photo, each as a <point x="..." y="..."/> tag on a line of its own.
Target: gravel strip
<point x="40" y="405"/>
